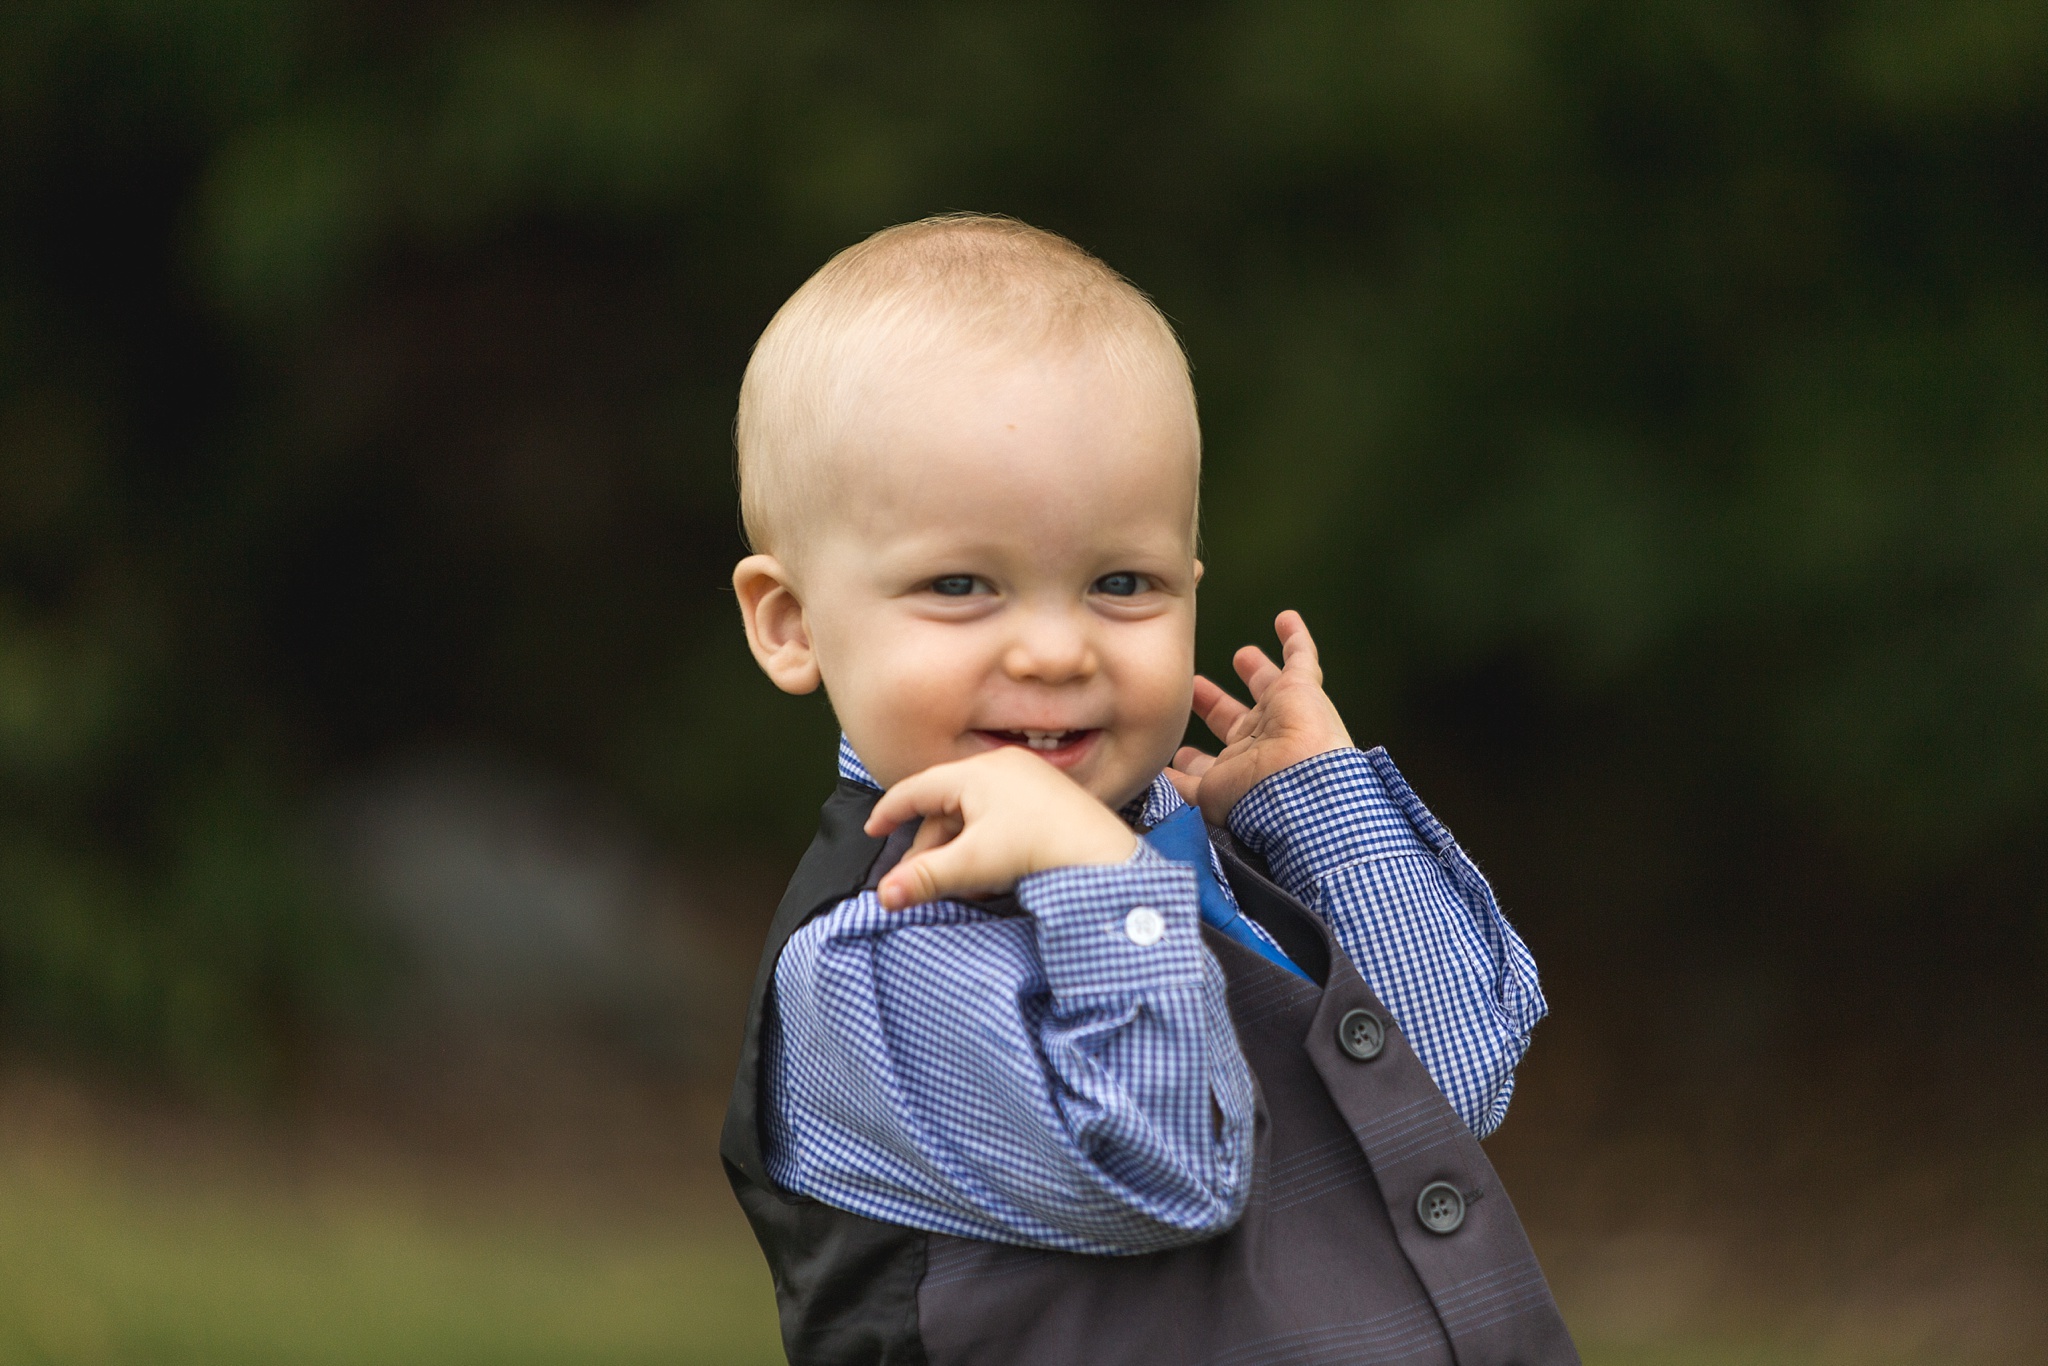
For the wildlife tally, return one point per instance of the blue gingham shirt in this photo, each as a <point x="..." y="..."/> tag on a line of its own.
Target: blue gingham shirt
<point x="1056" y="1080"/>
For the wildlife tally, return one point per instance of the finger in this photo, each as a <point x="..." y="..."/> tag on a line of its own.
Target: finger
<point x="1218" y="709"/>
<point x="1184" y="783"/>
<point x="1297" y="647"/>
<point x="1192" y="761"/>
<point x="1257" y="669"/>
<point x="909" y="883"/>
<point x="934" y="791"/>
<point x="932" y="832"/>
<point x="951" y="869"/>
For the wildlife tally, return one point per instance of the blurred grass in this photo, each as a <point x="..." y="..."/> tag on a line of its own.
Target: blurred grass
<point x="95" y="1269"/>
<point x="99" y="1267"/>
<point x="1698" y="1354"/>
<point x="537" y="1207"/>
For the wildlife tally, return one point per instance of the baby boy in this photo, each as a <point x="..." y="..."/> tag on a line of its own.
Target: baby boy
<point x="1070" y="1044"/>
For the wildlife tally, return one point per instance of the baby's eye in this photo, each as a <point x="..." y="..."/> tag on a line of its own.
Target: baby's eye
<point x="954" y="585"/>
<point x="1120" y="585"/>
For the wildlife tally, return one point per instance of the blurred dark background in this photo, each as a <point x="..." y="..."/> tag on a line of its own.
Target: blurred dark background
<point x="1647" y="403"/>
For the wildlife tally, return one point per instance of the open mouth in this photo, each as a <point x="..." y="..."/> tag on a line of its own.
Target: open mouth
<point x="1043" y="741"/>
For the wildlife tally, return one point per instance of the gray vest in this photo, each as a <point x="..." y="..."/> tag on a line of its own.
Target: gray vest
<point x="1376" y="1232"/>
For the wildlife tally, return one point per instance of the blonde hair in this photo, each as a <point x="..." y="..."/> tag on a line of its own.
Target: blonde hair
<point x="935" y="288"/>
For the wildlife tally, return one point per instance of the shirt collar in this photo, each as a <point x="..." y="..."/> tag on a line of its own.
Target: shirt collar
<point x="1155" y="804"/>
<point x="851" y="768"/>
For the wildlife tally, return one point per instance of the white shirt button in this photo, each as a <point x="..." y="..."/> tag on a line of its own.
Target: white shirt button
<point x="1144" y="926"/>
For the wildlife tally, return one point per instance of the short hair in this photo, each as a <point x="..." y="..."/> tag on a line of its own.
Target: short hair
<point x="938" y="286"/>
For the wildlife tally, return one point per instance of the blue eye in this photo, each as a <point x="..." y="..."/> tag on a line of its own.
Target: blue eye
<point x="954" y="586"/>
<point x="1120" y="585"/>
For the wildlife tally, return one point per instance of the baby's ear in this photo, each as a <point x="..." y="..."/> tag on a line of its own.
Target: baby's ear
<point x="774" y="617"/>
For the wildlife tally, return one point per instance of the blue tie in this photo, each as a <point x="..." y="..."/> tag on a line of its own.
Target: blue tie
<point x="1183" y="838"/>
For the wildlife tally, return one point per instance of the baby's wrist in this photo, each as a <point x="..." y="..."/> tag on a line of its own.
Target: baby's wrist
<point x="1285" y="816"/>
<point x="1095" y="846"/>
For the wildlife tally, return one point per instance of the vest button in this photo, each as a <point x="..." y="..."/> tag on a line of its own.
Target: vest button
<point x="1440" y="1207"/>
<point x="1361" y="1035"/>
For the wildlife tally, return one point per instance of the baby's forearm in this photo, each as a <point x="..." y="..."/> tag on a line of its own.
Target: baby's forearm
<point x="1068" y="1079"/>
<point x="1345" y="834"/>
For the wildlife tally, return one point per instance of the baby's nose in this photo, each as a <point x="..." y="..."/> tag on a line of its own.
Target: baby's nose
<point x="1050" y="648"/>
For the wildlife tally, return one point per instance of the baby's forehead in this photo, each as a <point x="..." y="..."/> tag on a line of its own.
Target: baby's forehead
<point x="1013" y="426"/>
<point x="942" y="492"/>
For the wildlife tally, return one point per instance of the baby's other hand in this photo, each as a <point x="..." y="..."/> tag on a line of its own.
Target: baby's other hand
<point x="989" y="821"/>
<point x="1290" y="719"/>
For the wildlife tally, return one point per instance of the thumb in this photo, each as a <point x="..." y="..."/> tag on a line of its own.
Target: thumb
<point x="930" y="875"/>
<point x="909" y="883"/>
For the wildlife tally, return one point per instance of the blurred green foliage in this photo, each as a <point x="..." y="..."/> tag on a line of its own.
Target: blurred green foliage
<point x="1651" y="391"/>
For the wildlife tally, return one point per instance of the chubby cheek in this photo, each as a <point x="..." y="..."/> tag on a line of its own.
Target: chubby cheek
<point x="1161" y="718"/>
<point x="905" y="710"/>
<point x="1157" y="689"/>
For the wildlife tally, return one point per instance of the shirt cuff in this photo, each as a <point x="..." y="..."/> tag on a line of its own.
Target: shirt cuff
<point x="1322" y="814"/>
<point x="1118" y="928"/>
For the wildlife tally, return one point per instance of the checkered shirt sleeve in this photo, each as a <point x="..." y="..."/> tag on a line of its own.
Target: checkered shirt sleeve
<point x="1345" y="834"/>
<point x="1050" y="1079"/>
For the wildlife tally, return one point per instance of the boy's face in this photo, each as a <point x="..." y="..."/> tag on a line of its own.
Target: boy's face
<point x="1012" y="561"/>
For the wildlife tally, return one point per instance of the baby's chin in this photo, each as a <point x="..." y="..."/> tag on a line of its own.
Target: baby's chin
<point x="1122" y="778"/>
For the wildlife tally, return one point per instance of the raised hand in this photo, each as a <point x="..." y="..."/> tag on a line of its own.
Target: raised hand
<point x="1290" y="719"/>
<point x="988" y="821"/>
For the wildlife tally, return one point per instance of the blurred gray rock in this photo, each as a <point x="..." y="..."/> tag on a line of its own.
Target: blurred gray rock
<point x="517" y="901"/>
